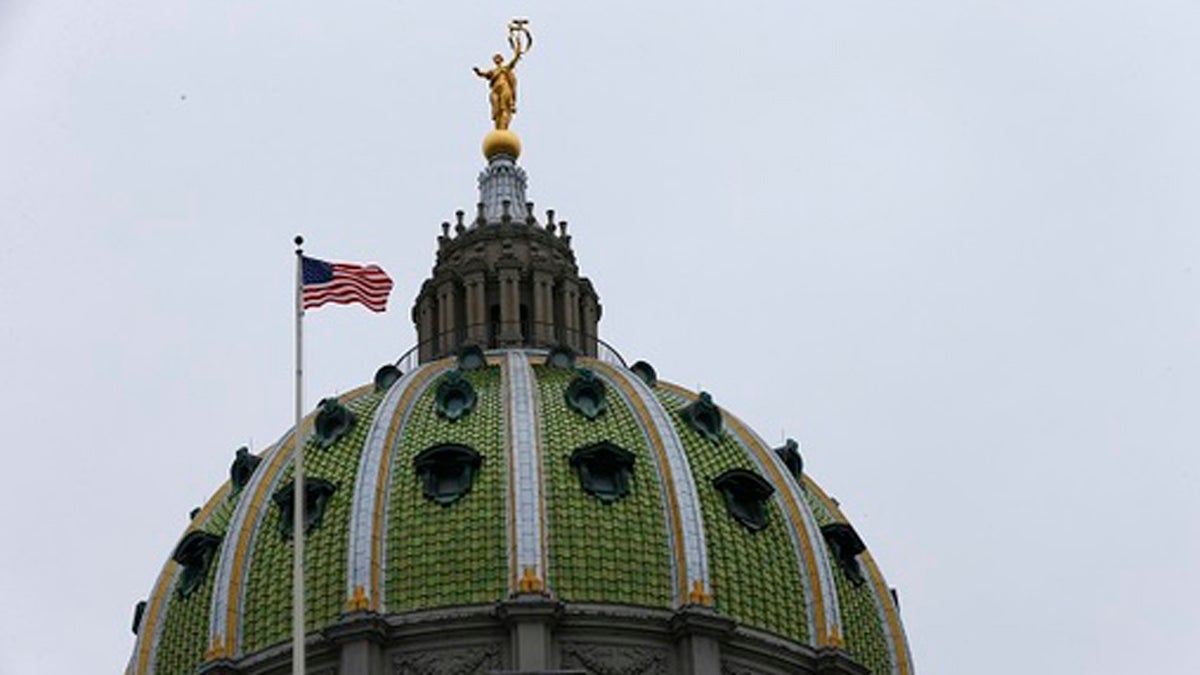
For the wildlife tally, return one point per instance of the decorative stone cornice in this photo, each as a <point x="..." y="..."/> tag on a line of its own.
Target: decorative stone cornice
<point x="522" y="608"/>
<point x="834" y="661"/>
<point x="355" y="626"/>
<point x="701" y="620"/>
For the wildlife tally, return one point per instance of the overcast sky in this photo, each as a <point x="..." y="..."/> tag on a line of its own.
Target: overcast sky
<point x="949" y="246"/>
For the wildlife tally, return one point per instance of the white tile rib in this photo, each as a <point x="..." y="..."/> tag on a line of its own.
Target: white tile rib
<point x="366" y="482"/>
<point x="811" y="531"/>
<point x="893" y="644"/>
<point x="529" y="528"/>
<point x="425" y="376"/>
<point x="665" y="484"/>
<point x="217" y="627"/>
<point x="691" y="519"/>
<point x="155" y="632"/>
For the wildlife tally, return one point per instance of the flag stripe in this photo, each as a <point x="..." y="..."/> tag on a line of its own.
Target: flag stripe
<point x="345" y="283"/>
<point x="350" y="283"/>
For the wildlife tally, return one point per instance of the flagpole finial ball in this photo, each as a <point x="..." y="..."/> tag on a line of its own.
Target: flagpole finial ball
<point x="299" y="240"/>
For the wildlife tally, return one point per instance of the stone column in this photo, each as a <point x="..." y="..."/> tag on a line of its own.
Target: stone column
<point x="359" y="637"/>
<point x="531" y="619"/>
<point x="510" y="307"/>
<point x="447" y="340"/>
<point x="588" y="324"/>
<point x="569" y="300"/>
<point x="698" y="633"/>
<point x="476" y="308"/>
<point x="425" y="328"/>
<point x="543" y="308"/>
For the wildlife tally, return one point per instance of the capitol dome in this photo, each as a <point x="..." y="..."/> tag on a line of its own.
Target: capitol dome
<point x="513" y="496"/>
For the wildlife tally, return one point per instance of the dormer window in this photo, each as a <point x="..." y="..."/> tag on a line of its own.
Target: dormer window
<point x="789" y="454"/>
<point x="242" y="468"/>
<point x="704" y="416"/>
<point x="746" y="495"/>
<point x="471" y="357"/>
<point x="334" y="421"/>
<point x="455" y="397"/>
<point x="586" y="394"/>
<point x="561" y="357"/>
<point x="195" y="553"/>
<point x="317" y="492"/>
<point x="386" y="376"/>
<point x="604" y="470"/>
<point x="447" y="472"/>
<point x="645" y="372"/>
<point x="845" y="545"/>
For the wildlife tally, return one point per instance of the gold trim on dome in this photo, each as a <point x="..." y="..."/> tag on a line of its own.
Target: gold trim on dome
<point x="404" y="404"/>
<point x="216" y="650"/>
<point x="660" y="455"/>
<point x="699" y="595"/>
<point x="793" y="509"/>
<point x="358" y="601"/>
<point x="158" y="597"/>
<point x="899" y="642"/>
<point x="530" y="582"/>
<point x="278" y="463"/>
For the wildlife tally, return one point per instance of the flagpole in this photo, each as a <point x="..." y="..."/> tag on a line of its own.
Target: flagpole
<point x="298" y="489"/>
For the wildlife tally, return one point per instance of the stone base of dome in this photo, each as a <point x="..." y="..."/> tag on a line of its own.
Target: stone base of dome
<point x="535" y="634"/>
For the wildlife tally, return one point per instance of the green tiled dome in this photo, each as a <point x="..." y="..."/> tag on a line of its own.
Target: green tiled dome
<point x="528" y="520"/>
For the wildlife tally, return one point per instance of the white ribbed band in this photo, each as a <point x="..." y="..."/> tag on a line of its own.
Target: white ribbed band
<point x="695" y="550"/>
<point x="156" y="631"/>
<point x="217" y="628"/>
<point x="824" y="585"/>
<point x="523" y="425"/>
<point x="366" y="482"/>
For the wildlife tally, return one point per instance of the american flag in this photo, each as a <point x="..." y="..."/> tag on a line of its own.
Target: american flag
<point x="344" y="283"/>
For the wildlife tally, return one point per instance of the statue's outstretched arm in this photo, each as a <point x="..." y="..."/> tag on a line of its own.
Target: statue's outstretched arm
<point x="516" y="57"/>
<point x="481" y="73"/>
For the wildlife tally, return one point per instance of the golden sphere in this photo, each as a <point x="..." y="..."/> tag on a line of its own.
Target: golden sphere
<point x="501" y="142"/>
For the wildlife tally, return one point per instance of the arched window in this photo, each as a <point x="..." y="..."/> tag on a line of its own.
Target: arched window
<point x="447" y="472"/>
<point x="586" y="394"/>
<point x="317" y="492"/>
<point x="195" y="553"/>
<point x="604" y="470"/>
<point x="455" y="397"/>
<point x="845" y="545"/>
<point x="746" y="495"/>
<point x="334" y="420"/>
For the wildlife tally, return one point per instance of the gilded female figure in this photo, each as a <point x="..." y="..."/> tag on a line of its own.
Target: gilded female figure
<point x="503" y="82"/>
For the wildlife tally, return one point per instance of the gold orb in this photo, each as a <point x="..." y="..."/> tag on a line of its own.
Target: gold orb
<point x="501" y="142"/>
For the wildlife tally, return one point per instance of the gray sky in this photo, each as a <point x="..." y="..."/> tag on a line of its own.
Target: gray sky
<point x="949" y="246"/>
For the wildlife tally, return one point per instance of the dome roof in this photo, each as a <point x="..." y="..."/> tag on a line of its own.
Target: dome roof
<point x="471" y="481"/>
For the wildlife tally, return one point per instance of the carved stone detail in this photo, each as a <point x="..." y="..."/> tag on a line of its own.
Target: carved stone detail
<point x="728" y="668"/>
<point x="614" y="659"/>
<point x="464" y="661"/>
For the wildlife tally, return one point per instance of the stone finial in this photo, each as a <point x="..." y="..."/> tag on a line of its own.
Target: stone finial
<point x="530" y="582"/>
<point x="550" y="219"/>
<point x="358" y="601"/>
<point x="445" y="229"/>
<point x="479" y="217"/>
<point x="529" y="219"/>
<point x="458" y="220"/>
<point x="698" y="595"/>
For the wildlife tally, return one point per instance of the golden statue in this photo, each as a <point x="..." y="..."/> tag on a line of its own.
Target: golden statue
<point x="502" y="78"/>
